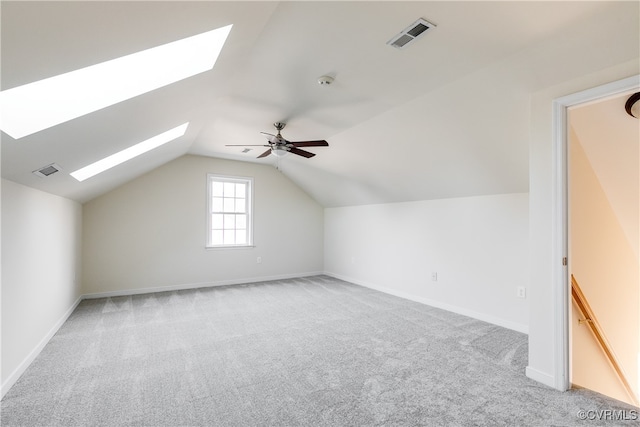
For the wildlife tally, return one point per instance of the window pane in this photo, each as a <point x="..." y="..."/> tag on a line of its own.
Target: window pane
<point x="229" y="189"/>
<point x="216" y="221"/>
<point x="229" y="222"/>
<point x="229" y="237"/>
<point x="229" y="205"/>
<point x="241" y="222"/>
<point x="241" y="237"/>
<point x="216" y="188"/>
<point x="216" y="237"/>
<point x="216" y="204"/>
<point x="241" y="205"/>
<point x="241" y="191"/>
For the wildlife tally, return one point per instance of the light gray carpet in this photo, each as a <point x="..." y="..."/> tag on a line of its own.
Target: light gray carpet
<point x="299" y="352"/>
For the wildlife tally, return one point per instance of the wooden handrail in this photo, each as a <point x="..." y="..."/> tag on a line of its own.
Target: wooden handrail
<point x="592" y="322"/>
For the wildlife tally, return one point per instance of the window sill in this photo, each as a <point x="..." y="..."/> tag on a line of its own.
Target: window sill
<point x="217" y="248"/>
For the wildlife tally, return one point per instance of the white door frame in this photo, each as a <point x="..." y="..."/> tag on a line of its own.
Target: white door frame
<point x="560" y="232"/>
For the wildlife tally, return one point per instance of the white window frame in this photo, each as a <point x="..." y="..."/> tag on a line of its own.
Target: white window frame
<point x="248" y="209"/>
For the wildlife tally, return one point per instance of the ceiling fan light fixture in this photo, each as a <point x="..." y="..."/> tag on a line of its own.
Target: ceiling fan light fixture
<point x="279" y="151"/>
<point x="632" y="105"/>
<point x="280" y="147"/>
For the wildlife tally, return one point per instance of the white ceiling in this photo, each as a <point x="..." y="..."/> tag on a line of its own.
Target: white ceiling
<point x="447" y="116"/>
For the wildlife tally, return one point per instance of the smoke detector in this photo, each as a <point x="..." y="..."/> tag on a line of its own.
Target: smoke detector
<point x="325" y="80"/>
<point x="410" y="34"/>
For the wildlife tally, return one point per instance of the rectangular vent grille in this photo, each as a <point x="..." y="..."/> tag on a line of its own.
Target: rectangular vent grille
<point x="411" y="33"/>
<point x="47" y="170"/>
<point x="417" y="30"/>
<point x="402" y="40"/>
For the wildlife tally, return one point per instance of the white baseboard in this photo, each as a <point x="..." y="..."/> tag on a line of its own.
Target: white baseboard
<point x="181" y="287"/>
<point x="438" y="304"/>
<point x="15" y="375"/>
<point x="540" y="376"/>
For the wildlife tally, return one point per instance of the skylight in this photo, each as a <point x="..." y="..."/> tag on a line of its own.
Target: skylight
<point x="30" y="108"/>
<point x="129" y="153"/>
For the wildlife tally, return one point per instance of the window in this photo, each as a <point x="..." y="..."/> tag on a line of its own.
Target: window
<point x="129" y="153"/>
<point x="229" y="213"/>
<point x="42" y="104"/>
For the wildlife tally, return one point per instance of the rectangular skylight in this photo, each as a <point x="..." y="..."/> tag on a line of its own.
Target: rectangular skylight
<point x="129" y="153"/>
<point x="35" y="106"/>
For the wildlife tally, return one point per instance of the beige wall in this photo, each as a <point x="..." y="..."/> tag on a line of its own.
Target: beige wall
<point x="150" y="232"/>
<point x="605" y="265"/>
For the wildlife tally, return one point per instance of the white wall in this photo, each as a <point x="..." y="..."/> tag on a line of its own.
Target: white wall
<point x="40" y="263"/>
<point x="543" y="345"/>
<point x="477" y="245"/>
<point x="151" y="232"/>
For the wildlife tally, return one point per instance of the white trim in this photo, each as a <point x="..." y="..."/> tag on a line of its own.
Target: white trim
<point x="540" y="376"/>
<point x="519" y="327"/>
<point x="217" y="248"/>
<point x="559" y="234"/>
<point x="248" y="181"/>
<point x="559" y="247"/>
<point x="181" y="287"/>
<point x="15" y="375"/>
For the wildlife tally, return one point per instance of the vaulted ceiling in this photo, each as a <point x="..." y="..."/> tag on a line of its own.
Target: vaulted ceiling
<point x="447" y="116"/>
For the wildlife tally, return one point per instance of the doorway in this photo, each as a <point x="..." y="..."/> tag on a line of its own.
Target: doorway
<point x="560" y="230"/>
<point x="603" y="176"/>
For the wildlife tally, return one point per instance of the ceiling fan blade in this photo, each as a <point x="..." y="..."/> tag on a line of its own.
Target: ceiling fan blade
<point x="320" y="143"/>
<point x="246" y="145"/>
<point x="265" y="154"/>
<point x="272" y="138"/>
<point x="300" y="152"/>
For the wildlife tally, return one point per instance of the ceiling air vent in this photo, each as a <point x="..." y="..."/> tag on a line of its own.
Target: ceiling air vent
<point x="411" y="33"/>
<point x="47" y="170"/>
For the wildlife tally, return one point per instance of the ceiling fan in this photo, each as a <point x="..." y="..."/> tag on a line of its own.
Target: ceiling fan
<point x="280" y="146"/>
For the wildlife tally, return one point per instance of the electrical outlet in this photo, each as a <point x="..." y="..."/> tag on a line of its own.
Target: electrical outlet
<point x="434" y="276"/>
<point x="259" y="260"/>
<point x="521" y="292"/>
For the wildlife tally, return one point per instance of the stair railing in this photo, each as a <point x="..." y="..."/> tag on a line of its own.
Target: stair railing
<point x="590" y="320"/>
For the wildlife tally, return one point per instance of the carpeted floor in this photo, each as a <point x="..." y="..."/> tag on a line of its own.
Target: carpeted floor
<point x="299" y="352"/>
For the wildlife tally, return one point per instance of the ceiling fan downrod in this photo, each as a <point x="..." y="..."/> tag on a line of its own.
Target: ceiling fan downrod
<point x="279" y="126"/>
